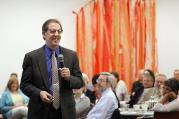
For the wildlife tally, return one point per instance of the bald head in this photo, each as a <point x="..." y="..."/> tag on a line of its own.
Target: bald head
<point x="176" y="74"/>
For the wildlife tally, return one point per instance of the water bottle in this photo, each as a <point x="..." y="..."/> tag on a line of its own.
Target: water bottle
<point x="151" y="102"/>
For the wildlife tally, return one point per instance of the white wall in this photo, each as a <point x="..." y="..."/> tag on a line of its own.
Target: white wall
<point x="168" y="35"/>
<point x="20" y="29"/>
<point x="21" y="21"/>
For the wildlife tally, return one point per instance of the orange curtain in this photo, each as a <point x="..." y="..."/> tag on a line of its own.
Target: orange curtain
<point x="117" y="35"/>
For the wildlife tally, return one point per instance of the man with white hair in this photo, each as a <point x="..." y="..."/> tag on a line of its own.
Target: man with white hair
<point x="108" y="101"/>
<point x="159" y="82"/>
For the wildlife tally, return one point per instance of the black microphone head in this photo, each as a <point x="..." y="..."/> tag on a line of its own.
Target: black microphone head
<point x="61" y="60"/>
<point x="60" y="56"/>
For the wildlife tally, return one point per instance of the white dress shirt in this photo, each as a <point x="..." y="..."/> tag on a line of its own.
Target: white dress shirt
<point x="105" y="106"/>
<point x="121" y="91"/>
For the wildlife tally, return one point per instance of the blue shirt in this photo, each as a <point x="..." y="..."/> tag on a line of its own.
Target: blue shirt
<point x="48" y="57"/>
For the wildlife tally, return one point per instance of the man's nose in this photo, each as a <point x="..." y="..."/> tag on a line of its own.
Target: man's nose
<point x="57" y="33"/>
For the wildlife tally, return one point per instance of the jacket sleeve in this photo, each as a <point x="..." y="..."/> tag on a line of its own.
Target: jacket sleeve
<point x="76" y="75"/>
<point x="26" y="84"/>
<point x="5" y="103"/>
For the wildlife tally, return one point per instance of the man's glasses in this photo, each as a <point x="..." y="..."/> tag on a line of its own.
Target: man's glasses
<point x="101" y="80"/>
<point x="53" y="31"/>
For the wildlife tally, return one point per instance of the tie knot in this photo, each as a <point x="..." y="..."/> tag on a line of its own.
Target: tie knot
<point x="53" y="53"/>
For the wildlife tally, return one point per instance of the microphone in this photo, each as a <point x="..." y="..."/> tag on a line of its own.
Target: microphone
<point x="61" y="60"/>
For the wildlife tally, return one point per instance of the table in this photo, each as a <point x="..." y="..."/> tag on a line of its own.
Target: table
<point x="130" y="113"/>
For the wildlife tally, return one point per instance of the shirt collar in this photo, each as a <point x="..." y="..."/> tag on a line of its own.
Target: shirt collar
<point x="49" y="51"/>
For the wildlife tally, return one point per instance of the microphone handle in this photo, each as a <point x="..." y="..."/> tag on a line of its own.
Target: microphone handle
<point x="62" y="64"/>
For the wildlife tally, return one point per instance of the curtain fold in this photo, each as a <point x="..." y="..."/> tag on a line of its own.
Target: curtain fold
<point x="117" y="35"/>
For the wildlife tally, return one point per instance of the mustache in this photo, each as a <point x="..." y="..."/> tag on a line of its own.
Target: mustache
<point x="55" y="37"/>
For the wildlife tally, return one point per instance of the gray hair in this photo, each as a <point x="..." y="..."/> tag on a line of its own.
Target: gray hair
<point x="110" y="78"/>
<point x="161" y="75"/>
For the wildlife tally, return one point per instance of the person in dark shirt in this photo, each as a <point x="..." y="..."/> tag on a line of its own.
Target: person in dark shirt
<point x="138" y="84"/>
<point x="92" y="94"/>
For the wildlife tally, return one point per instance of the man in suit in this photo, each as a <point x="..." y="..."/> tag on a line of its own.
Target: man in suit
<point x="37" y="80"/>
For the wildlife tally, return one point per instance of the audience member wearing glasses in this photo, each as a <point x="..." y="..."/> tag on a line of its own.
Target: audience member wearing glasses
<point x="108" y="102"/>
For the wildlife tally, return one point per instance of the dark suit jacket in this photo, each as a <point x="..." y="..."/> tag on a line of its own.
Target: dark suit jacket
<point x="35" y="78"/>
<point x="136" y="85"/>
<point x="135" y="98"/>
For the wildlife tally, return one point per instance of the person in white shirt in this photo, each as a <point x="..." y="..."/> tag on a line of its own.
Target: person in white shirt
<point x="121" y="88"/>
<point x="108" y="101"/>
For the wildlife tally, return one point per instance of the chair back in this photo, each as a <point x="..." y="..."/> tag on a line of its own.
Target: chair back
<point x="166" y="115"/>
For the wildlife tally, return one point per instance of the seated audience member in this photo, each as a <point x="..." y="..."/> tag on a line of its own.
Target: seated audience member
<point x="120" y="88"/>
<point x="13" y="75"/>
<point x="93" y="94"/>
<point x="169" y="101"/>
<point x="159" y="82"/>
<point x="82" y="102"/>
<point x="13" y="102"/>
<point x="144" y="93"/>
<point x="138" y="84"/>
<point x="107" y="102"/>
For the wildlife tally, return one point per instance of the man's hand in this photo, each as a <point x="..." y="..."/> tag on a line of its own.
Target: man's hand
<point x="168" y="97"/>
<point x="46" y="97"/>
<point x="171" y="96"/>
<point x="65" y="73"/>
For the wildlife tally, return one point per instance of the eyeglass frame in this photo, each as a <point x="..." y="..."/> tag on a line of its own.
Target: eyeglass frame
<point x="53" y="31"/>
<point x="101" y="80"/>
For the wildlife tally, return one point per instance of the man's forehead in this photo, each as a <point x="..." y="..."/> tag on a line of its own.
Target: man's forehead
<point x="103" y="76"/>
<point x="160" y="78"/>
<point x="53" y="25"/>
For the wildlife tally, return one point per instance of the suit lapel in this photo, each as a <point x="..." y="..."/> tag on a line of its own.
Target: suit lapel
<point x="43" y="67"/>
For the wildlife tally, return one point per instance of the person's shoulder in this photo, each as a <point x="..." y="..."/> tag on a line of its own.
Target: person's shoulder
<point x="122" y="82"/>
<point x="67" y="50"/>
<point x="152" y="89"/>
<point x="6" y="92"/>
<point x="140" y="89"/>
<point x="86" y="98"/>
<point x="36" y="51"/>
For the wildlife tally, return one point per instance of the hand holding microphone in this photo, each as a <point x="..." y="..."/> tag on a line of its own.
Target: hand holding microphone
<point x="65" y="72"/>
